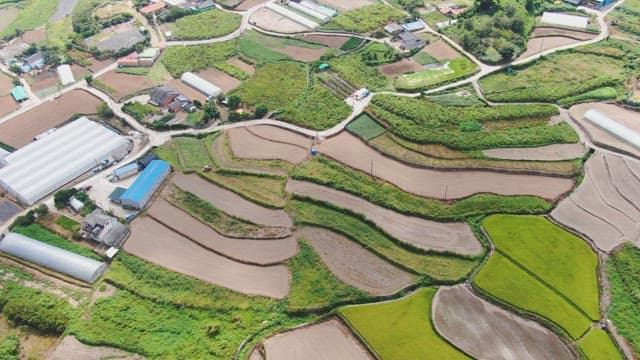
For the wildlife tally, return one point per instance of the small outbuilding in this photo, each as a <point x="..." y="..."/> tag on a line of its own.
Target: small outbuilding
<point x="66" y="75"/>
<point x="394" y="29"/>
<point x="104" y="229"/>
<point x="162" y="96"/>
<point x="19" y="94"/>
<point x="200" y="84"/>
<point x="51" y="257"/>
<point x="148" y="182"/>
<point x="153" y="7"/>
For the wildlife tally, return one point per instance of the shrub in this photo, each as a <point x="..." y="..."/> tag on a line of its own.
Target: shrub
<point x="35" y="308"/>
<point x="367" y="18"/>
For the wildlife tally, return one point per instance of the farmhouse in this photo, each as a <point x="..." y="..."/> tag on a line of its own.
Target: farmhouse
<point x="45" y="165"/>
<point x="32" y="62"/>
<point x="162" y="96"/>
<point x="148" y="182"/>
<point x="152" y="8"/>
<point x="65" y="74"/>
<point x="414" y="26"/>
<point x="410" y="41"/>
<point x="53" y="258"/>
<point x="200" y="84"/>
<point x="393" y="29"/>
<point x="203" y="5"/>
<point x="104" y="229"/>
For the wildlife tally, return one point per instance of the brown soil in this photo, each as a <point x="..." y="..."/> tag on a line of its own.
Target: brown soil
<point x="248" y="4"/>
<point x="222" y="156"/>
<point x="553" y="152"/>
<point x="540" y="44"/>
<point x="302" y="53"/>
<point x="7" y="15"/>
<point x="623" y="116"/>
<point x="561" y="32"/>
<point x="20" y="130"/>
<point x="331" y="41"/>
<point x="249" y="69"/>
<point x="271" y="21"/>
<point x="44" y="80"/>
<point x="125" y="84"/>
<point x="72" y="349"/>
<point x="34" y="36"/>
<point x="97" y="65"/>
<point x="220" y="79"/>
<point x="342" y="5"/>
<point x="486" y="331"/>
<point x="352" y="152"/>
<point x="259" y="252"/>
<point x="246" y="145"/>
<point x="187" y="90"/>
<point x="329" y="340"/>
<point x="400" y="67"/>
<point x="7" y="106"/>
<point x="425" y="234"/>
<point x="440" y="50"/>
<point x="601" y="208"/>
<point x="278" y="134"/>
<point x="355" y="265"/>
<point x="231" y="203"/>
<point x="156" y="243"/>
<point x="6" y="84"/>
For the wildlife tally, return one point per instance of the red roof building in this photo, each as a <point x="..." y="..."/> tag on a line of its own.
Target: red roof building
<point x="153" y="7"/>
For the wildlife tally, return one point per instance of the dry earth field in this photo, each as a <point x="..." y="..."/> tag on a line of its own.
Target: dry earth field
<point x="125" y="84"/>
<point x="220" y="79"/>
<point x="440" y="50"/>
<point x="540" y="44"/>
<point x="245" y="144"/>
<point x="400" y="67"/>
<point x="72" y="349"/>
<point x="271" y="21"/>
<point x="554" y="152"/>
<point x="331" y="41"/>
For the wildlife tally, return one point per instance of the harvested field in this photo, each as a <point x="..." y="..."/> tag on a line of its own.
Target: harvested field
<point x="7" y="106"/>
<point x="7" y="15"/>
<point x="34" y="36"/>
<point x="425" y="234"/>
<point x="606" y="205"/>
<point x="231" y="203"/>
<point x="246" y="145"/>
<point x="249" y="69"/>
<point x="623" y="116"/>
<point x="20" y="130"/>
<point x="44" y="81"/>
<point x="6" y="85"/>
<point x="400" y="67"/>
<point x="278" y="134"/>
<point x="8" y="209"/>
<point x="549" y="31"/>
<point x="331" y="41"/>
<point x="248" y="4"/>
<point x="125" y="84"/>
<point x="155" y="243"/>
<point x="352" y="152"/>
<point x="354" y="265"/>
<point x="342" y="5"/>
<point x="540" y="44"/>
<point x="271" y="21"/>
<point x="220" y="79"/>
<point x="440" y="50"/>
<point x="486" y="331"/>
<point x="302" y="53"/>
<point x="187" y="90"/>
<point x="259" y="252"/>
<point x="552" y="152"/>
<point x="328" y="340"/>
<point x="72" y="349"/>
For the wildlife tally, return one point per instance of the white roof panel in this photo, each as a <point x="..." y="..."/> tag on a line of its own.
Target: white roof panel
<point x="560" y="19"/>
<point x="65" y="74"/>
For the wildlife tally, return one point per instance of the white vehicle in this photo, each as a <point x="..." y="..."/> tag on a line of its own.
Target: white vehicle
<point x="361" y="94"/>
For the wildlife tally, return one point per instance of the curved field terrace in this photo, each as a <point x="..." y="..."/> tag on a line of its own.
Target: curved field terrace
<point x="554" y="152"/>
<point x="247" y="145"/>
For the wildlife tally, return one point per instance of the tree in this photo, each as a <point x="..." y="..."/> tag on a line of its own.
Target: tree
<point x="104" y="111"/>
<point x="260" y="111"/>
<point x="88" y="78"/>
<point x="486" y="4"/>
<point x="506" y="51"/>
<point x="197" y="103"/>
<point x="233" y="101"/>
<point x="210" y="112"/>
<point x="16" y="82"/>
<point x="42" y="210"/>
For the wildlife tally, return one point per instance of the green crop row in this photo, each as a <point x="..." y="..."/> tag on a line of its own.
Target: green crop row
<point x="605" y="93"/>
<point x="180" y="59"/>
<point x="623" y="272"/>
<point x="206" y="25"/>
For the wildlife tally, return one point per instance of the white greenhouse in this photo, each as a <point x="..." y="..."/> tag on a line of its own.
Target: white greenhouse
<point x="53" y="258"/>
<point x="200" y="84"/>
<point x="613" y="127"/>
<point x="45" y="165"/>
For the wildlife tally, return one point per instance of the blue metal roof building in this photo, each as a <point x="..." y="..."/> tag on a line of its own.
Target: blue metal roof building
<point x="141" y="191"/>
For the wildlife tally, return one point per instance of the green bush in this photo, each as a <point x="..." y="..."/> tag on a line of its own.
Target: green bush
<point x="10" y="348"/>
<point x="67" y="223"/>
<point x="316" y="109"/>
<point x="351" y="44"/>
<point x="605" y="93"/>
<point x="139" y="111"/>
<point x="38" y="309"/>
<point x="275" y="85"/>
<point x="232" y="70"/>
<point x="470" y="126"/>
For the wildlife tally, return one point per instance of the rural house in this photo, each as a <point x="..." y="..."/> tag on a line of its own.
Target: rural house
<point x="163" y="96"/>
<point x="393" y="29"/>
<point x="410" y="41"/>
<point x="104" y="229"/>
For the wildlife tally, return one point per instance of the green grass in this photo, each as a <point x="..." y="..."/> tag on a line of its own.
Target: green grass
<point x="232" y="70"/>
<point x="316" y="109"/>
<point x="206" y="25"/>
<point x="352" y="69"/>
<point x="424" y="58"/>
<point x="313" y="285"/>
<point x="67" y="223"/>
<point x="58" y="32"/>
<point x="423" y="121"/>
<point x="40" y="233"/>
<point x="34" y="13"/>
<point x="275" y="85"/>
<point x="180" y="59"/>
<point x="623" y="271"/>
<point x="366" y="19"/>
<point x="138" y="110"/>
<point x="438" y="267"/>
<point x="133" y="70"/>
<point x="263" y="190"/>
<point x="401" y="329"/>
<point x="455" y="100"/>
<point x="554" y="77"/>
<point x="193" y="153"/>
<point x="598" y="345"/>
<point x="558" y="257"/>
<point x="508" y="283"/>
<point x="351" y="44"/>
<point x="264" y="49"/>
<point x="330" y="173"/>
<point x="421" y="80"/>
<point x="365" y="127"/>
<point x="605" y="93"/>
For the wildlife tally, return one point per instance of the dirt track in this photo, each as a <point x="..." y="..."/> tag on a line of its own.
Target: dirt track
<point x="542" y="153"/>
<point x="425" y="234"/>
<point x="155" y="243"/>
<point x="350" y="151"/>
<point x="355" y="265"/>
<point x="231" y="203"/>
<point x="246" y="145"/>
<point x="486" y="331"/>
<point x="20" y="130"/>
<point x="329" y="340"/>
<point x="606" y="205"/>
<point x="72" y="349"/>
<point x="260" y="252"/>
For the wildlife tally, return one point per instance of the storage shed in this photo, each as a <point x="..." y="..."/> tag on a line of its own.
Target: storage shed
<point x="148" y="182"/>
<point x="38" y="169"/>
<point x="53" y="258"/>
<point x="613" y="127"/>
<point x="200" y="84"/>
<point x="66" y="75"/>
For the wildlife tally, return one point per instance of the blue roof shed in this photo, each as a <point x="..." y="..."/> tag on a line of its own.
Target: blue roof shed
<point x="148" y="182"/>
<point x="18" y="93"/>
